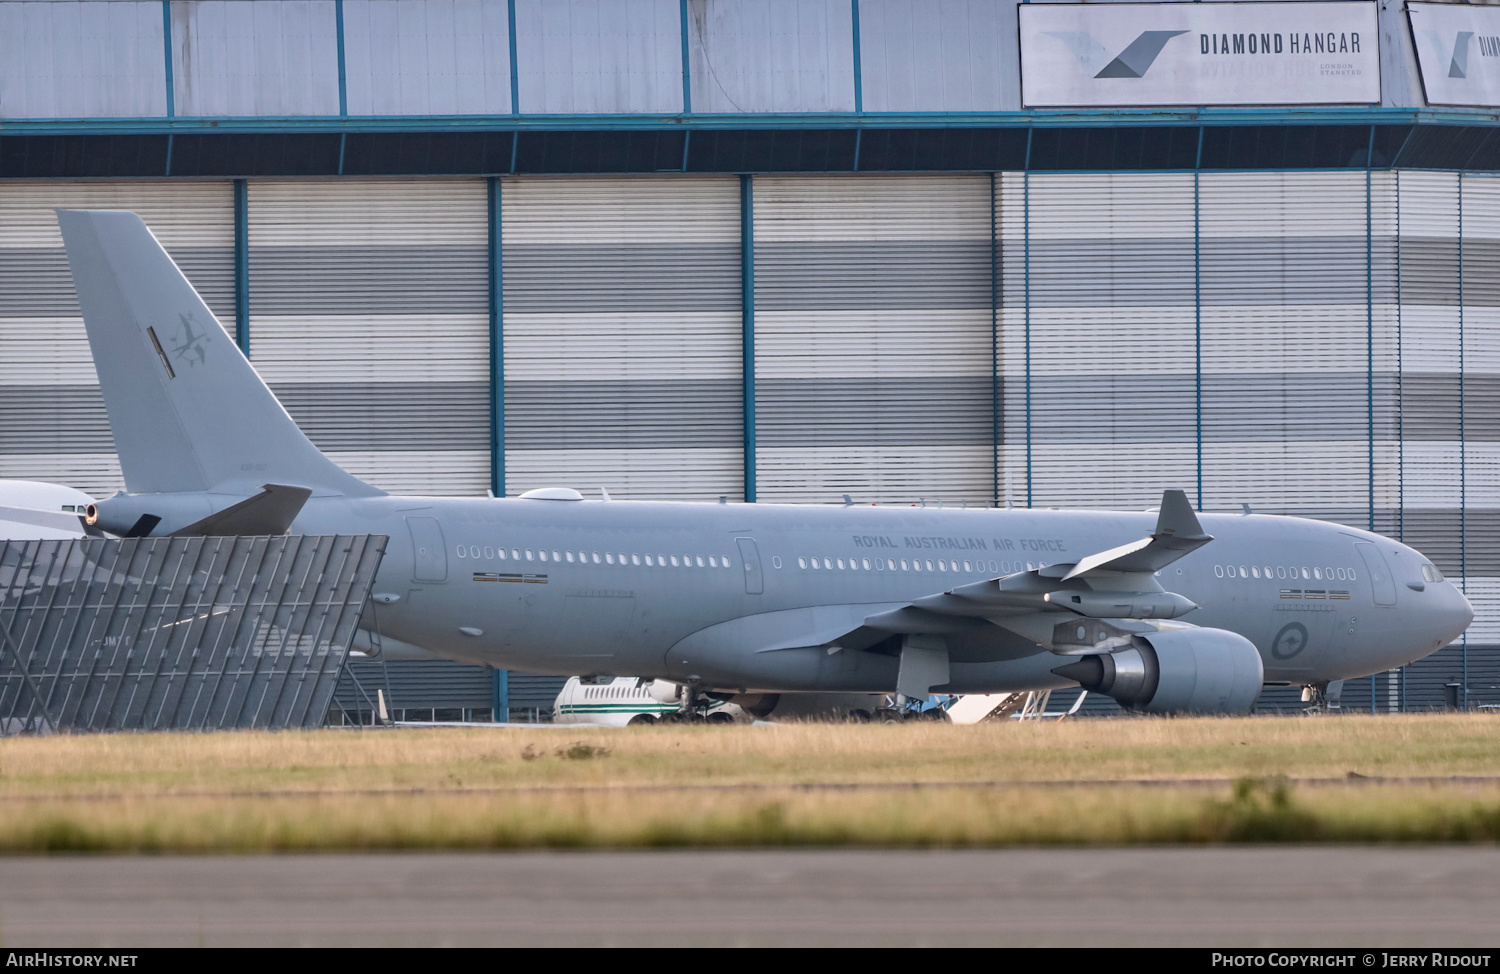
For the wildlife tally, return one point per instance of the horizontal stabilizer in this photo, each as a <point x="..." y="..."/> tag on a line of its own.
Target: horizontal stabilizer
<point x="270" y="512"/>
<point x="56" y="520"/>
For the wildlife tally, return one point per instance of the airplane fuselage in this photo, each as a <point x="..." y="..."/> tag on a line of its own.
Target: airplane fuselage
<point x="624" y="587"/>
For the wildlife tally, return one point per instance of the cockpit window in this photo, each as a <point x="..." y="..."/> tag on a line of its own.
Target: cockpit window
<point x="1431" y="573"/>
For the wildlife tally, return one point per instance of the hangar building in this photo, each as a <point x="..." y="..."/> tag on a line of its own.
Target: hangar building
<point x="968" y="251"/>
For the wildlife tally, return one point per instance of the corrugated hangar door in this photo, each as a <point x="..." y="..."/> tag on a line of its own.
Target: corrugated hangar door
<point x="873" y="339"/>
<point x="52" y="422"/>
<point x="622" y="336"/>
<point x="1480" y="201"/>
<point x="1285" y="386"/>
<point x="1098" y="338"/>
<point x="1428" y="489"/>
<point x="369" y="317"/>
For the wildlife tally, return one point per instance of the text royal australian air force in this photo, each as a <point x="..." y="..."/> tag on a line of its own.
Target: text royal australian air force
<point x="930" y="542"/>
<point x="1164" y="54"/>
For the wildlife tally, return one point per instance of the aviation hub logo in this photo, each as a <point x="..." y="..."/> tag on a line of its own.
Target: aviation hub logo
<point x="1458" y="64"/>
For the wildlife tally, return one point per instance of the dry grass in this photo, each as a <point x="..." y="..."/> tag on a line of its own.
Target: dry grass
<point x="482" y="788"/>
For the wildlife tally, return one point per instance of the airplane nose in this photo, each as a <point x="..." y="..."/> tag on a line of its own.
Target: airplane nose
<point x="1455" y="613"/>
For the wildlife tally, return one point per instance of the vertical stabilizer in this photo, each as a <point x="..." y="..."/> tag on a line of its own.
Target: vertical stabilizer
<point x="187" y="411"/>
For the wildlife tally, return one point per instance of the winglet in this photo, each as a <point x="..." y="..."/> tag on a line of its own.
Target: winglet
<point x="1177" y="533"/>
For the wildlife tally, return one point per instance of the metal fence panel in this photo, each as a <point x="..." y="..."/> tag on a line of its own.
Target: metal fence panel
<point x="178" y="633"/>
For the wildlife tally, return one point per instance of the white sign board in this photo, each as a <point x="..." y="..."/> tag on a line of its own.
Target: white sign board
<point x="1458" y="50"/>
<point x="1123" y="55"/>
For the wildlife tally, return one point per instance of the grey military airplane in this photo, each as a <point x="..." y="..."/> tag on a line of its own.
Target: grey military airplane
<point x="1165" y="611"/>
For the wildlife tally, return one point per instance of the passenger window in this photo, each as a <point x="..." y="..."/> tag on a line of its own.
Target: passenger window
<point x="541" y="556"/>
<point x="528" y="555"/>
<point x="635" y="559"/>
<point x="1343" y="576"/>
<point x="570" y="557"/>
<point x="1317" y="573"/>
<point x="609" y="558"/>
<point x="1351" y="574"/>
<point x="942" y="565"/>
<point x="622" y="558"/>
<point x="1255" y="571"/>
<point x="890" y="564"/>
<point x="501" y="553"/>
<point x="712" y="563"/>
<point x="828" y="563"/>
<point x="648" y="560"/>
<point x="904" y="566"/>
<point x="916" y="565"/>
<point x="879" y="564"/>
<point x="1267" y="570"/>
<point x="700" y="561"/>
<point x="515" y="553"/>
<point x="1030" y="567"/>
<point x="814" y="564"/>
<point x="674" y="561"/>
<point x="866" y="563"/>
<point x="1281" y="571"/>
<point x="840" y="563"/>
<point x="661" y="560"/>
<point x="929" y="564"/>
<point x="596" y="557"/>
<point x="1305" y="574"/>
<point x="1218" y="571"/>
<point x="556" y="556"/>
<point x="967" y="568"/>
<point x="1244" y="572"/>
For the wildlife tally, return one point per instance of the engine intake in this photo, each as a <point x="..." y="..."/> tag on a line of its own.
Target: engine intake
<point x="1176" y="671"/>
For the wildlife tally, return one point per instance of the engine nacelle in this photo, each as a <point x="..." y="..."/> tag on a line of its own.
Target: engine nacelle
<point x="1176" y="671"/>
<point x="665" y="691"/>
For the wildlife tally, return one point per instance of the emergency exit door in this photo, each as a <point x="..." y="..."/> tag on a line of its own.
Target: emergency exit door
<point x="750" y="556"/>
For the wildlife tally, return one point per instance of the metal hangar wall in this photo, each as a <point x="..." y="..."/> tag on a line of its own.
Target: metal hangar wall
<point x="777" y="251"/>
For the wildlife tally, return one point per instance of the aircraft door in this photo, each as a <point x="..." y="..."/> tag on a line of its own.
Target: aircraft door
<point x="430" y="554"/>
<point x="1381" y="582"/>
<point x="750" y="555"/>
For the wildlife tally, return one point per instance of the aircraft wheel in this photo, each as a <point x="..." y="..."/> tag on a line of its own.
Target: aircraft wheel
<point x="670" y="717"/>
<point x="889" y="716"/>
<point x="859" y="717"/>
<point x="937" y="714"/>
<point x="720" y="718"/>
<point x="641" y="720"/>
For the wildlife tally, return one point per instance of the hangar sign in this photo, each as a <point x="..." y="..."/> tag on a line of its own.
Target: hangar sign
<point x="1458" y="51"/>
<point x="1123" y="55"/>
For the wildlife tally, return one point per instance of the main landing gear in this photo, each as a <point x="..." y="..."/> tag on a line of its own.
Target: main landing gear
<point x="898" y="709"/>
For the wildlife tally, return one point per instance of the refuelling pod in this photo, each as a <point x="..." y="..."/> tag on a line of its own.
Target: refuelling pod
<point x="1176" y="671"/>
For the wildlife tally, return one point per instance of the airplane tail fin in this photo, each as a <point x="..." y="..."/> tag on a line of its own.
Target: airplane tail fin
<point x="187" y="410"/>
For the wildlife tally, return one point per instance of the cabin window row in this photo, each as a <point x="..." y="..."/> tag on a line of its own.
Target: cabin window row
<point x="1283" y="571"/>
<point x="816" y="563"/>
<point x="594" y="557"/>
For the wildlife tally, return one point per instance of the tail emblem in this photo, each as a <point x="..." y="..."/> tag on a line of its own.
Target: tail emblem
<point x="191" y="347"/>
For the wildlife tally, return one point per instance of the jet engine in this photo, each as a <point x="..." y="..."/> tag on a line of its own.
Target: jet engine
<point x="1176" y="671"/>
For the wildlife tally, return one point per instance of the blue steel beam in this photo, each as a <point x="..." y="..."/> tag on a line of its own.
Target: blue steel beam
<point x="497" y="340"/>
<point x="768" y="121"/>
<point x="242" y="266"/>
<point x="747" y="326"/>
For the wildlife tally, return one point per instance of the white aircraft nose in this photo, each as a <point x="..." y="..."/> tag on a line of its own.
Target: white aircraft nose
<point x="1455" y="612"/>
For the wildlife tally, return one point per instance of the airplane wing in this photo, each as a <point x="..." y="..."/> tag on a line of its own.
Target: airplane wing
<point x="1091" y="606"/>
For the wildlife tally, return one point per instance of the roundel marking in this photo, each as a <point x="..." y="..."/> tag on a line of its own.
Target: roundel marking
<point x="1291" y="640"/>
